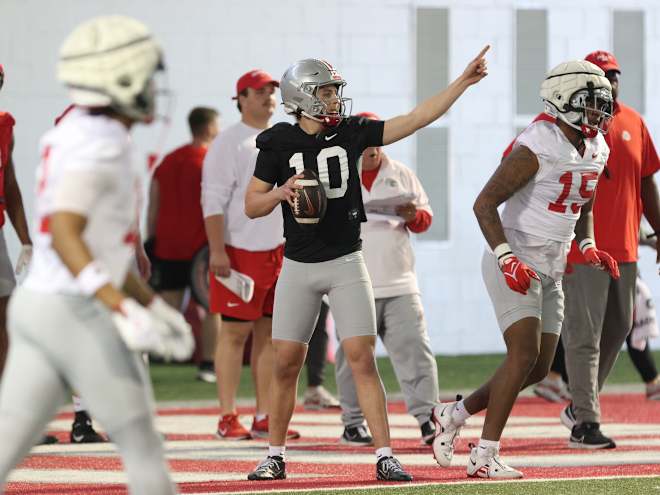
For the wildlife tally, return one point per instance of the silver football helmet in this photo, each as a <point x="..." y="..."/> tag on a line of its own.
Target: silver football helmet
<point x="578" y="92"/>
<point x="299" y="87"/>
<point x="111" y="61"/>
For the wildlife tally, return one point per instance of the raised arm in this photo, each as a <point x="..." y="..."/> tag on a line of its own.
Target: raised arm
<point x="433" y="108"/>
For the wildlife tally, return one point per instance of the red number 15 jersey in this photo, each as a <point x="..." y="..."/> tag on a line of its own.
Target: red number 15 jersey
<point x="549" y="205"/>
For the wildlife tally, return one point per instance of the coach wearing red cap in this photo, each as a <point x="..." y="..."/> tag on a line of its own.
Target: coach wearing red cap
<point x="251" y="247"/>
<point x="599" y="309"/>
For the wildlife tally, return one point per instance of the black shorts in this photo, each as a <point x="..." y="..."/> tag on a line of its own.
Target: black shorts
<point x="169" y="274"/>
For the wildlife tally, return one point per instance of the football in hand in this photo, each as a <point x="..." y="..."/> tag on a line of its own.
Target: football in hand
<point x="310" y="204"/>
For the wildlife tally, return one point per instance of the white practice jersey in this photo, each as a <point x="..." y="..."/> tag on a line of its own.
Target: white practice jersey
<point x="549" y="205"/>
<point x="94" y="152"/>
<point x="228" y="168"/>
<point x="386" y="242"/>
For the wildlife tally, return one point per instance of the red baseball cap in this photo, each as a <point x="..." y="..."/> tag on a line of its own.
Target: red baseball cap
<point x="604" y="60"/>
<point x="255" y="79"/>
<point x="368" y="115"/>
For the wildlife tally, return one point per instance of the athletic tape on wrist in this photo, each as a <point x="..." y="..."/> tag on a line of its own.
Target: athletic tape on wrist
<point x="502" y="252"/>
<point x="92" y="278"/>
<point x="586" y="244"/>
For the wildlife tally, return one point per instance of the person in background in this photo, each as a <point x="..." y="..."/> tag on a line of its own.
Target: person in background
<point x="400" y="319"/>
<point x="11" y="202"/>
<point x="175" y="225"/>
<point x="251" y="247"/>
<point x="599" y="309"/>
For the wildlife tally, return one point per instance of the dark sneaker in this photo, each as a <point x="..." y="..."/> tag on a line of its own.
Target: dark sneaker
<point x="428" y="433"/>
<point x="356" y="435"/>
<point x="589" y="436"/>
<point x="271" y="468"/>
<point x="82" y="430"/>
<point x="567" y="417"/>
<point x="389" y="469"/>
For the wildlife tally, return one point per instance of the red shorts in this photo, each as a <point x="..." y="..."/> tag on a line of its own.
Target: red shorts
<point x="264" y="268"/>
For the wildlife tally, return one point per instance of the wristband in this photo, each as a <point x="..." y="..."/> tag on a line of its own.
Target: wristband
<point x="586" y="244"/>
<point x="502" y="252"/>
<point x="92" y="278"/>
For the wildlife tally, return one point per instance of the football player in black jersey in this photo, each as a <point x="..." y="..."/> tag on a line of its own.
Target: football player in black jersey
<point x="327" y="259"/>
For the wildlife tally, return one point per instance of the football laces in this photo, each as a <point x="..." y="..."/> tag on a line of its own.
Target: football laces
<point x="296" y="204"/>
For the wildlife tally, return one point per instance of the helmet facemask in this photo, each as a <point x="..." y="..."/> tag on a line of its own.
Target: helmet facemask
<point x="154" y="102"/>
<point x="589" y="111"/>
<point x="318" y="109"/>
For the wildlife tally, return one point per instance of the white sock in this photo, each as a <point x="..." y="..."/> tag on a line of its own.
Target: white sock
<point x="383" y="452"/>
<point x="277" y="450"/>
<point x="486" y="445"/>
<point x="260" y="416"/>
<point x="78" y="404"/>
<point x="460" y="414"/>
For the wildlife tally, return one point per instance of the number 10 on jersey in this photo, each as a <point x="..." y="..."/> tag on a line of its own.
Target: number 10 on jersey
<point x="333" y="191"/>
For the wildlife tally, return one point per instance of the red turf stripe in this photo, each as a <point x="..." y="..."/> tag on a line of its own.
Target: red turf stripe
<point x="357" y="478"/>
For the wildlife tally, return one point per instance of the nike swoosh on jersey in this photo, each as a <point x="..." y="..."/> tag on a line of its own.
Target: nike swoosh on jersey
<point x="232" y="305"/>
<point x="328" y="138"/>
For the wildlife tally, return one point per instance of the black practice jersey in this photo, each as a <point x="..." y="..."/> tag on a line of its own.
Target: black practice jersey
<point x="285" y="150"/>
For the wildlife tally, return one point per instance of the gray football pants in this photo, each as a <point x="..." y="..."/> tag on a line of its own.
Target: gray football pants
<point x="598" y="317"/>
<point x="301" y="286"/>
<point x="401" y="326"/>
<point x="60" y="342"/>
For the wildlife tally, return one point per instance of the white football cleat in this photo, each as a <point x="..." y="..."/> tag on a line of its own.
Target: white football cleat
<point x="552" y="390"/>
<point x="487" y="464"/>
<point x="446" y="433"/>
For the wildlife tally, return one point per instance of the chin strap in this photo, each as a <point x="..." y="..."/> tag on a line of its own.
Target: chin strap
<point x="587" y="131"/>
<point x="326" y="120"/>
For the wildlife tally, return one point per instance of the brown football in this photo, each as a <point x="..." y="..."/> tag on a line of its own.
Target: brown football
<point x="310" y="205"/>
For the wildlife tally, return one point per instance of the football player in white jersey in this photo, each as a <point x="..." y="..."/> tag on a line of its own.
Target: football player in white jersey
<point x="82" y="317"/>
<point x="547" y="184"/>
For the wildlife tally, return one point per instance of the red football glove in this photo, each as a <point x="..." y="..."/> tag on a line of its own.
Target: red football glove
<point x="517" y="274"/>
<point x="602" y="261"/>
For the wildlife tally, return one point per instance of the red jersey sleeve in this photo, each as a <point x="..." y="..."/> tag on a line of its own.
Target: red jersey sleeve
<point x="421" y="223"/>
<point x="650" y="160"/>
<point x="6" y="136"/>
